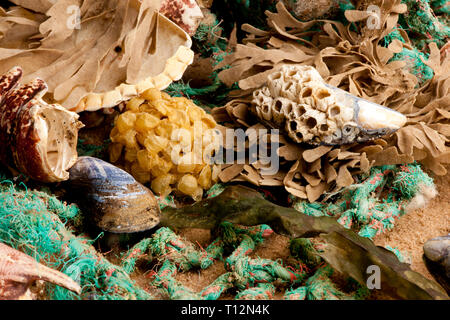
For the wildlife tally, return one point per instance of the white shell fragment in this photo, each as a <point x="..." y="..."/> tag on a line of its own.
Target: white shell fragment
<point x="297" y="100"/>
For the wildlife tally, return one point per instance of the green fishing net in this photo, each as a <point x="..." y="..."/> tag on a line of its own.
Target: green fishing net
<point x="32" y="221"/>
<point x="422" y="24"/>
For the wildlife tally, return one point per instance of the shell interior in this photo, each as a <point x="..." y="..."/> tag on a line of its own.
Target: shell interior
<point x="58" y="144"/>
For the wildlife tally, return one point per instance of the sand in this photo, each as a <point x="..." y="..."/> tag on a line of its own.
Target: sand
<point x="412" y="230"/>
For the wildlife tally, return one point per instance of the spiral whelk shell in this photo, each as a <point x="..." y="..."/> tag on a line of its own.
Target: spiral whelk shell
<point x="37" y="138"/>
<point x="111" y="198"/>
<point x="297" y="100"/>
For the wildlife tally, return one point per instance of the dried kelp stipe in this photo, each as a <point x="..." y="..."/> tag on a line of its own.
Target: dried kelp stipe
<point x="296" y="100"/>
<point x="98" y="55"/>
<point x="33" y="222"/>
<point x="372" y="205"/>
<point x="18" y="271"/>
<point x="355" y="60"/>
<point x="168" y="142"/>
<point x="36" y="138"/>
<point x="244" y="206"/>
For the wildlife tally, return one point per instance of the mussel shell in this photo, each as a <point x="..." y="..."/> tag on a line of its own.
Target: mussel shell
<point x="111" y="198"/>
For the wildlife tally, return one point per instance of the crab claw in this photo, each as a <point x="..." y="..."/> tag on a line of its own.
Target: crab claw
<point x="18" y="271"/>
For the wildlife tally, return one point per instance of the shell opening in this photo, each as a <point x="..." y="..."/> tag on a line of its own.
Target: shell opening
<point x="275" y="76"/>
<point x="324" y="127"/>
<point x="307" y="93"/>
<point x="58" y="129"/>
<point x="288" y="108"/>
<point x="334" y="111"/>
<point x="287" y="86"/>
<point x="293" y="125"/>
<point x="259" y="98"/>
<point x="311" y="122"/>
<point x="278" y="105"/>
<point x="301" y="110"/>
<point x="322" y="93"/>
<point x="348" y="129"/>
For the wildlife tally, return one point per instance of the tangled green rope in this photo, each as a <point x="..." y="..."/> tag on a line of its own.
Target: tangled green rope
<point x="440" y="6"/>
<point x="413" y="58"/>
<point x="252" y="278"/>
<point x="319" y="286"/>
<point x="420" y="19"/>
<point x="360" y="206"/>
<point x="37" y="223"/>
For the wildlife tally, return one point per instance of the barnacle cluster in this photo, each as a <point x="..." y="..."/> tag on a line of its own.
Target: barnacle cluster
<point x="297" y="99"/>
<point x="166" y="141"/>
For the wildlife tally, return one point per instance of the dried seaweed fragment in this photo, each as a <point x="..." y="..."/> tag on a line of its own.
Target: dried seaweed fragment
<point x="114" y="51"/>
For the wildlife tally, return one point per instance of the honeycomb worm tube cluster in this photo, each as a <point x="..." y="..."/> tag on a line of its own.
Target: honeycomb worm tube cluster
<point x="298" y="100"/>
